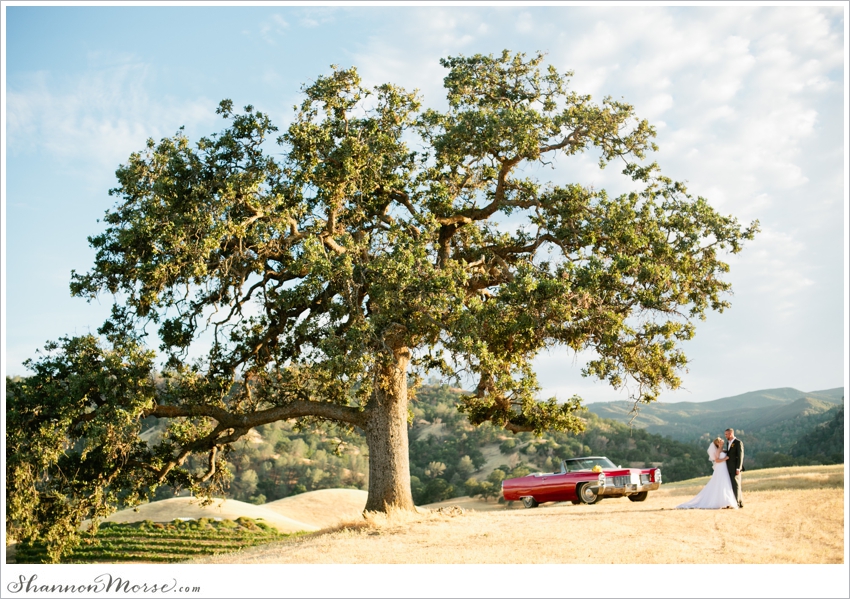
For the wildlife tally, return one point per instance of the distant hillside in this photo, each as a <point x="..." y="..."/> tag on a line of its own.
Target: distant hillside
<point x="688" y="421"/>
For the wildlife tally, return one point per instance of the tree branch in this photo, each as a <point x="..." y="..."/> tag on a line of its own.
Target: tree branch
<point x="295" y="409"/>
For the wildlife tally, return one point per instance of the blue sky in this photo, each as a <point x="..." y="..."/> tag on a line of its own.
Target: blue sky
<point x="748" y="103"/>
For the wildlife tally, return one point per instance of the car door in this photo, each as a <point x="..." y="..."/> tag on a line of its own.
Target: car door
<point x="555" y="487"/>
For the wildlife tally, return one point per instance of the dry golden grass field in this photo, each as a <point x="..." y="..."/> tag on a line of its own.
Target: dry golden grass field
<point x="188" y="507"/>
<point x="791" y="516"/>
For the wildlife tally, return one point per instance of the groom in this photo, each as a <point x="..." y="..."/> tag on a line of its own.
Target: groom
<point x="735" y="452"/>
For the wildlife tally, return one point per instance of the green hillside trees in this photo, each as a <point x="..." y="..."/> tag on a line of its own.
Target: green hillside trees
<point x="825" y="443"/>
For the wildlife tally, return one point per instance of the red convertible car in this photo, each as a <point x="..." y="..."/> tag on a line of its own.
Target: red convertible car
<point x="583" y="480"/>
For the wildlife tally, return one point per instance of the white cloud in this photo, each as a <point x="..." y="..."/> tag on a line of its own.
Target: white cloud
<point x="101" y="117"/>
<point x="721" y="112"/>
<point x="657" y="106"/>
<point x="592" y="79"/>
<point x="379" y="63"/>
<point x="525" y="24"/>
<point x="315" y="16"/>
<point x="410" y="57"/>
<point x="447" y="30"/>
<point x="275" y="27"/>
<point x="776" y="268"/>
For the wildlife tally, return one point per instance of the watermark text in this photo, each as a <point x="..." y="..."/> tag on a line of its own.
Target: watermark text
<point x="104" y="583"/>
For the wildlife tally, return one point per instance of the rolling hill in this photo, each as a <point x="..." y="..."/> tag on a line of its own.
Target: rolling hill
<point x="167" y="510"/>
<point x="749" y="412"/>
<point x="303" y="512"/>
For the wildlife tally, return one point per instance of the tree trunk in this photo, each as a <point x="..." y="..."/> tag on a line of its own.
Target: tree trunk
<point x="386" y="436"/>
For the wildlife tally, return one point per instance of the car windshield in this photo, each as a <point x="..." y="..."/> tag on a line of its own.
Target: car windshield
<point x="587" y="464"/>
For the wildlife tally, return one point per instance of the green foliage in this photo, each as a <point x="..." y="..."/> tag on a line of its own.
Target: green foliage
<point x="78" y="413"/>
<point x="465" y="466"/>
<point x="490" y="488"/>
<point x="824" y="444"/>
<point x="803" y="439"/>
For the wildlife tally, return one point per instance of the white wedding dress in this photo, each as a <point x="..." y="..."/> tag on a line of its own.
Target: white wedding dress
<point x="718" y="492"/>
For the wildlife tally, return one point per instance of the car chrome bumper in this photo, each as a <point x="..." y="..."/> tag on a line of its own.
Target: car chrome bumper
<point x="627" y="489"/>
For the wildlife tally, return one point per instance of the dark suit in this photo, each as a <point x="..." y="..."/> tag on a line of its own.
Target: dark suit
<point x="735" y="453"/>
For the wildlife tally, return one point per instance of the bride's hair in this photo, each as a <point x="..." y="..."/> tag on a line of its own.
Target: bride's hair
<point x="718" y="441"/>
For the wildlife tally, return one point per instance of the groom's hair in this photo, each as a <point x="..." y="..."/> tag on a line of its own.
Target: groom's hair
<point x="730" y="430"/>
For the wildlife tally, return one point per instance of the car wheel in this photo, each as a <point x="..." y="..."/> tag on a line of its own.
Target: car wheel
<point x="639" y="496"/>
<point x="586" y="494"/>
<point x="529" y="502"/>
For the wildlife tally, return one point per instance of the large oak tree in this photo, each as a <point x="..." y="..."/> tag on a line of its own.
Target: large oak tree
<point x="377" y="241"/>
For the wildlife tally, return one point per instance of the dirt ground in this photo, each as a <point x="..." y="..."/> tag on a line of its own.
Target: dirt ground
<point x="324" y="508"/>
<point x="790" y="526"/>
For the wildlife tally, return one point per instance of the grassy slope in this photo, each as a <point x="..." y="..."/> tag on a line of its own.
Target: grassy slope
<point x="304" y="512"/>
<point x="323" y="508"/>
<point x="188" y="507"/>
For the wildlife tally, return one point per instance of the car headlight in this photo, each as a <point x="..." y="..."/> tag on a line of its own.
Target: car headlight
<point x="601" y="477"/>
<point x="657" y="475"/>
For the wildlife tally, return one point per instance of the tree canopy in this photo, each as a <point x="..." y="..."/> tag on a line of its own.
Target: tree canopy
<point x="379" y="240"/>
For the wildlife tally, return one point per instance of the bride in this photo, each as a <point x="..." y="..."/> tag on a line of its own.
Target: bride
<point x="718" y="492"/>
